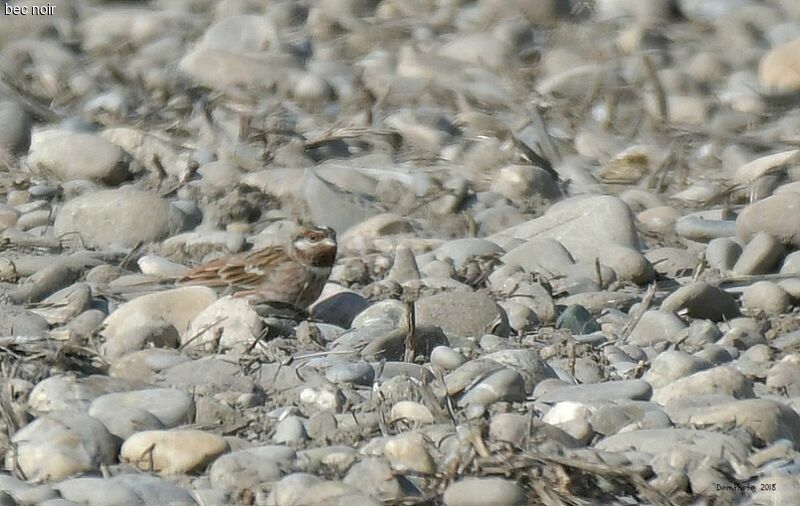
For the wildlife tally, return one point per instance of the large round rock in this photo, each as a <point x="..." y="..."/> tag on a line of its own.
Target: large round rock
<point x="120" y="218"/>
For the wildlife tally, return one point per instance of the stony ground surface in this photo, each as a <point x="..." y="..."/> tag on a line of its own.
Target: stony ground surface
<point x="569" y="265"/>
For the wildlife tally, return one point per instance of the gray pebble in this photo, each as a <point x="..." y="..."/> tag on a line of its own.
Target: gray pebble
<point x="702" y="300"/>
<point x="62" y="444"/>
<point x="290" y="430"/>
<point x="765" y="296"/>
<point x="446" y="358"/>
<point x="657" y="326"/>
<point x="610" y="390"/>
<point x="482" y="491"/>
<point x="718" y="380"/>
<point x="359" y="373"/>
<point x="704" y="230"/>
<point x="760" y="256"/>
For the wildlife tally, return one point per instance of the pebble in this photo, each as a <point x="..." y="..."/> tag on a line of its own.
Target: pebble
<point x="610" y="390"/>
<point x="172" y="452"/>
<point x="170" y="406"/>
<point x="408" y="453"/>
<point x="777" y="70"/>
<point x="70" y="156"/>
<point x="479" y="491"/>
<point x="688" y="444"/>
<point x="467" y="314"/>
<point x="226" y="324"/>
<point x="404" y="268"/>
<point x="243" y="469"/>
<point x="60" y="444"/>
<point x="766" y="420"/>
<point x="461" y="250"/>
<point x="446" y="358"/>
<point x="63" y="392"/>
<point x="156" y="333"/>
<point x="123" y="489"/>
<point x="290" y="430"/>
<point x="376" y="478"/>
<point x="772" y="215"/>
<point x="120" y="218"/>
<point x="722" y="254"/>
<point x="672" y="365"/>
<point x="578" y="320"/>
<point x="702" y="300"/>
<point x="412" y="412"/>
<point x="717" y="380"/>
<point x="301" y="488"/>
<point x="656" y="326"/>
<point x="760" y="256"/>
<point x="177" y="307"/>
<point x="765" y="296"/>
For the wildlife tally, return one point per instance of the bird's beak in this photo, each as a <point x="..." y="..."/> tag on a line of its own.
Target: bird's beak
<point x="329" y="241"/>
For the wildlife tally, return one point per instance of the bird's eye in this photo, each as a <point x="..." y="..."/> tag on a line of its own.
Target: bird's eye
<point x="313" y="236"/>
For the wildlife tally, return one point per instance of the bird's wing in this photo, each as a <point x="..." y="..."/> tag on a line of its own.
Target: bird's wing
<point x="246" y="271"/>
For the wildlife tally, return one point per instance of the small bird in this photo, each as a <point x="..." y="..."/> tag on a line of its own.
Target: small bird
<point x="293" y="274"/>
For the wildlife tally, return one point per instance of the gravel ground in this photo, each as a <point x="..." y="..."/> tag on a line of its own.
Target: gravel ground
<point x="568" y="264"/>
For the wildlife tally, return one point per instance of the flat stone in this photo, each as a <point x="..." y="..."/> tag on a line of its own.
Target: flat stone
<point x="172" y="407"/>
<point x="207" y="375"/>
<point x="462" y="314"/>
<point x="610" y="390"/>
<point x="701" y="229"/>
